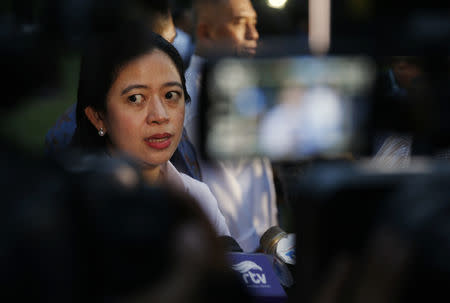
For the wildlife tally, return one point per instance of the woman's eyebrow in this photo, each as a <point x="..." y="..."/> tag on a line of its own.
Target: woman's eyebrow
<point x="132" y="86"/>
<point x="173" y="83"/>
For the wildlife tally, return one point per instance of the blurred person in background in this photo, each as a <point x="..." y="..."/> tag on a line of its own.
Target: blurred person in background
<point x="394" y="149"/>
<point x="416" y="93"/>
<point x="230" y="32"/>
<point x="132" y="102"/>
<point x="157" y="15"/>
<point x="183" y="17"/>
<point x="399" y="73"/>
<point x="405" y="70"/>
<point x="183" y="20"/>
<point x="243" y="188"/>
<point x="225" y="27"/>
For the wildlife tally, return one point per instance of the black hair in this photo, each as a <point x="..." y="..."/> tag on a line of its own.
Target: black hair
<point x="157" y="14"/>
<point x="107" y="53"/>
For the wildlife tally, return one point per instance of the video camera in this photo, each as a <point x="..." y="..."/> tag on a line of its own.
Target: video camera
<point x="301" y="107"/>
<point x="288" y="108"/>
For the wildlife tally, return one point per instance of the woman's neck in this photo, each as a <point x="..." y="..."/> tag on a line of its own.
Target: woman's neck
<point x="152" y="175"/>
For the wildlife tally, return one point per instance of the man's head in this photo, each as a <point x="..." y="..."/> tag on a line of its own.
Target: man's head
<point x="406" y="69"/>
<point x="226" y="26"/>
<point x="157" y="15"/>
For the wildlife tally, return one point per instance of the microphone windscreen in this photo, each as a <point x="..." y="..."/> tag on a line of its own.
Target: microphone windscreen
<point x="270" y="238"/>
<point x="256" y="272"/>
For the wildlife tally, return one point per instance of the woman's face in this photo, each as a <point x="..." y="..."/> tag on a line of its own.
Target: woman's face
<point x="145" y="109"/>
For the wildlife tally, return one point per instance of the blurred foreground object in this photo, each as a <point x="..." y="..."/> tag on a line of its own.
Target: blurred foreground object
<point x="292" y="108"/>
<point x="364" y="234"/>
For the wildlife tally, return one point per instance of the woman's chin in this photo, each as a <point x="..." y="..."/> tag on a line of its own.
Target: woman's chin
<point x="151" y="163"/>
<point x="148" y="162"/>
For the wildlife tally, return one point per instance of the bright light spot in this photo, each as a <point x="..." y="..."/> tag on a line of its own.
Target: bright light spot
<point x="279" y="4"/>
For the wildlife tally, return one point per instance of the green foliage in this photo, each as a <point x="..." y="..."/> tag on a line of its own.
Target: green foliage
<point x="27" y="125"/>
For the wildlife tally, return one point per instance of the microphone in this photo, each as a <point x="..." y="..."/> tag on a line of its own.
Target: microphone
<point x="281" y="245"/>
<point x="256" y="272"/>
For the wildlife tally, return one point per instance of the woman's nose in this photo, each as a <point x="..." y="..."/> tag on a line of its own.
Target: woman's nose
<point x="157" y="112"/>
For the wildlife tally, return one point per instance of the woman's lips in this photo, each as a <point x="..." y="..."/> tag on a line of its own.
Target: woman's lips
<point x="159" y="141"/>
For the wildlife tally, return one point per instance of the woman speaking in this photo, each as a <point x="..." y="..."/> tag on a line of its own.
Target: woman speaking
<point x="131" y="100"/>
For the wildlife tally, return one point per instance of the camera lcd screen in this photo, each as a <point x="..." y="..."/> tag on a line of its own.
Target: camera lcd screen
<point x="285" y="108"/>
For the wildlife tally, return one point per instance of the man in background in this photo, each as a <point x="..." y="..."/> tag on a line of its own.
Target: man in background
<point x="244" y="188"/>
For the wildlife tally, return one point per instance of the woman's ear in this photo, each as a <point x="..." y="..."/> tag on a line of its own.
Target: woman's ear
<point x="95" y="117"/>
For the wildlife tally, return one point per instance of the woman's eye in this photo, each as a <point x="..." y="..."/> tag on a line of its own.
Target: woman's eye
<point x="172" y="95"/>
<point x="137" y="99"/>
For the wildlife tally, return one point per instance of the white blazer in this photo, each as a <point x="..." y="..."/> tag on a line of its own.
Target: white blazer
<point x="200" y="192"/>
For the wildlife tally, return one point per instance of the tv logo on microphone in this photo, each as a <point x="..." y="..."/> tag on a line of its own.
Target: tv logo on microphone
<point x="252" y="274"/>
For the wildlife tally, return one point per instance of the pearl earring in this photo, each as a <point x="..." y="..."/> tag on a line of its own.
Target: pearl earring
<point x="101" y="132"/>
